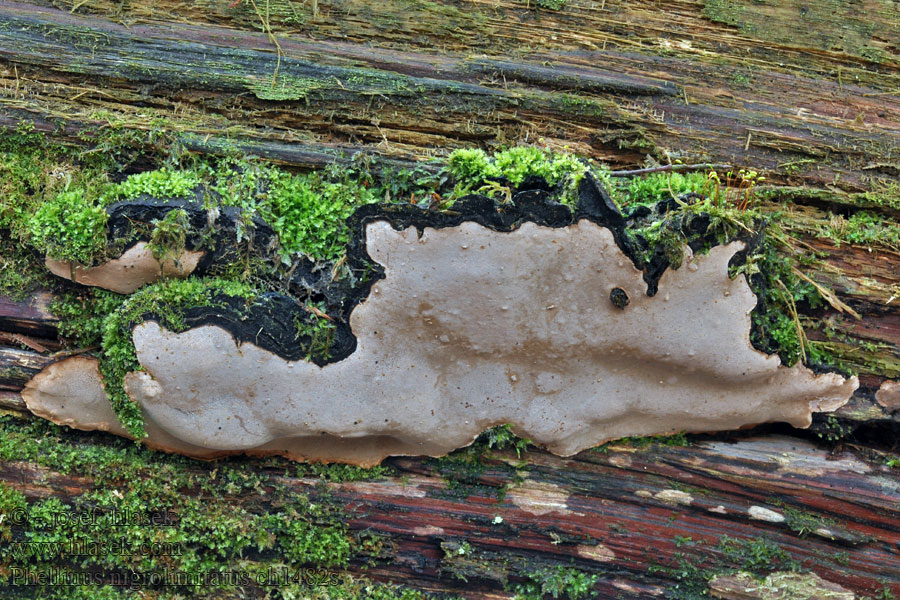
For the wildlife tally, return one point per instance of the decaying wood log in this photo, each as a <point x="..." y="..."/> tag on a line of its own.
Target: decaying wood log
<point x="806" y="93"/>
<point x="646" y="521"/>
<point x="18" y="366"/>
<point x="30" y="316"/>
<point x="865" y="279"/>
<point x="615" y="81"/>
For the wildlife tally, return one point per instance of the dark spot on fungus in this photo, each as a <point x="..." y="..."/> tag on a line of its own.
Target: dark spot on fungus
<point x="619" y="298"/>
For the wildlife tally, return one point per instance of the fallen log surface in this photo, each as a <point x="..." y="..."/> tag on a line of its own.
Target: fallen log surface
<point x="806" y="93"/>
<point x="611" y="80"/>
<point x="646" y="521"/>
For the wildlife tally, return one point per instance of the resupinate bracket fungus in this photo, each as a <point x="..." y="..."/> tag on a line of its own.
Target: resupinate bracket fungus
<point x="546" y="326"/>
<point x="888" y="395"/>
<point x="135" y="268"/>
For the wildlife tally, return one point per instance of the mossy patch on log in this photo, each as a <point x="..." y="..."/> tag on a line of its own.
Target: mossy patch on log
<point x="306" y="217"/>
<point x="160" y="514"/>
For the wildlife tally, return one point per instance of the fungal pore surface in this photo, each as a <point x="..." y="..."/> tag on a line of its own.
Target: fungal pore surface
<point x="136" y="267"/>
<point x="549" y="329"/>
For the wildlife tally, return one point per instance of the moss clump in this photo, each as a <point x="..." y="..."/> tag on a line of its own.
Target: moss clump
<point x="20" y="271"/>
<point x="558" y="582"/>
<point x="22" y="170"/>
<point x="309" y="214"/>
<point x="756" y="555"/>
<point x="656" y="187"/>
<point x="161" y="183"/>
<point x="198" y="528"/>
<point x="81" y="314"/>
<point x="463" y="468"/>
<point x="471" y="163"/>
<point x="687" y="222"/>
<point x="70" y="227"/>
<point x="864" y="229"/>
<point x="781" y="291"/>
<point x="677" y="439"/>
<point x="514" y="164"/>
<point x="691" y="573"/>
<point x="166" y="301"/>
<point x="34" y="171"/>
<point x="72" y="224"/>
<point x="320" y="329"/>
<point x="232" y="516"/>
<point x="169" y="235"/>
<point x="339" y="473"/>
<point x="473" y="167"/>
<point x="773" y="269"/>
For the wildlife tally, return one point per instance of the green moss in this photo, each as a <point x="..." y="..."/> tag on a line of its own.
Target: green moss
<point x="20" y="271"/>
<point x="864" y="229"/>
<point x="341" y="473"/>
<point x="309" y="214"/>
<point x="558" y="582"/>
<point x="169" y="234"/>
<point x="803" y="523"/>
<point x="24" y="181"/>
<point x="471" y="163"/>
<point x="782" y="290"/>
<point x="81" y="314"/>
<point x="855" y="357"/>
<point x="307" y="211"/>
<point x="48" y="201"/>
<point x="774" y="269"/>
<point x="463" y="469"/>
<point x="285" y="87"/>
<point x="515" y="164"/>
<point x="195" y="535"/>
<point x="421" y="185"/>
<point x="319" y="330"/>
<point x="501" y="437"/>
<point x="678" y="439"/>
<point x="472" y="168"/>
<point x="70" y="227"/>
<point x="552" y="4"/>
<point x="236" y="182"/>
<point x="233" y="515"/>
<point x="655" y="187"/>
<point x="756" y="555"/>
<point x="715" y="222"/>
<point x="885" y="194"/>
<point x="691" y="573"/>
<point x="832" y="431"/>
<point x="160" y="183"/>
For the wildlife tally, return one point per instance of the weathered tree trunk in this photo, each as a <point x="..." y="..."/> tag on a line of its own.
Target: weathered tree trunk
<point x="805" y="92"/>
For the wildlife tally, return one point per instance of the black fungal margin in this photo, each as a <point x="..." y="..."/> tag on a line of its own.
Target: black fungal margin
<point x="270" y="321"/>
